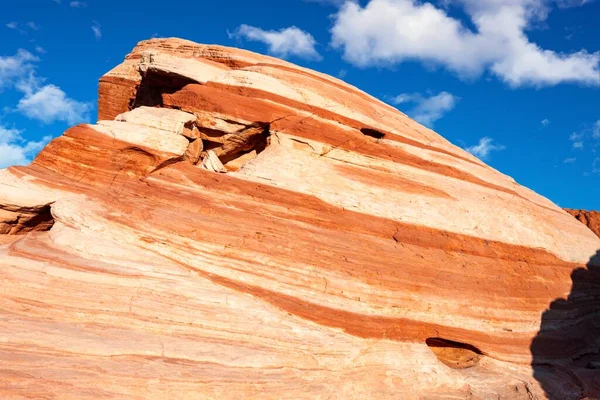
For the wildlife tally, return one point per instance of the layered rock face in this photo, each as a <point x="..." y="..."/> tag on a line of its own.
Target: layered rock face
<point x="591" y="219"/>
<point x="236" y="226"/>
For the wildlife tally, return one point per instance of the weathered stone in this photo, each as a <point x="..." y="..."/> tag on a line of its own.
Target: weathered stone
<point x="348" y="253"/>
<point x="194" y="151"/>
<point x="591" y="219"/>
<point x="212" y="163"/>
<point x="161" y="118"/>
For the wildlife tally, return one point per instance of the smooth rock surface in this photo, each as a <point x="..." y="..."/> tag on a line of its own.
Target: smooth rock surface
<point x="316" y="243"/>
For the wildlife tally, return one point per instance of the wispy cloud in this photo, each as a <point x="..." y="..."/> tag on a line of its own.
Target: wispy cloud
<point x="577" y="140"/>
<point x="596" y="130"/>
<point x="96" y="28"/>
<point x="23" y="28"/>
<point x="15" y="150"/>
<point x="284" y="43"/>
<point x="570" y="160"/>
<point x="427" y="109"/>
<point x="484" y="148"/>
<point x="78" y="4"/>
<point x="545" y="122"/>
<point x="33" y="26"/>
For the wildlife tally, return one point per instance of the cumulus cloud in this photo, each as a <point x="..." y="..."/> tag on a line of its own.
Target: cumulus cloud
<point x="484" y="148"/>
<point x="96" y="28"/>
<point x="49" y="103"/>
<point x="284" y="43"/>
<point x="388" y="32"/>
<point x="427" y="109"/>
<point x="14" y="150"/>
<point x="41" y="101"/>
<point x="14" y="68"/>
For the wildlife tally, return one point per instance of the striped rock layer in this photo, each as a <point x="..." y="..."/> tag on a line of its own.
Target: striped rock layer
<point x="236" y="226"/>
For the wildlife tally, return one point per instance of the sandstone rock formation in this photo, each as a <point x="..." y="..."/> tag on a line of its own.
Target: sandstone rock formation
<point x="591" y="219"/>
<point x="236" y="226"/>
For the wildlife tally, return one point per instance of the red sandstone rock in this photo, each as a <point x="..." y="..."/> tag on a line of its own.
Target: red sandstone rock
<point x="324" y="246"/>
<point x="591" y="219"/>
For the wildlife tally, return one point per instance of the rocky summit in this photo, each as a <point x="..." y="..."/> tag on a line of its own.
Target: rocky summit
<point x="236" y="226"/>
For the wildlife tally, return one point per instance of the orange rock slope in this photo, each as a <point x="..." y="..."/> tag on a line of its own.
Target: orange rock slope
<point x="236" y="226"/>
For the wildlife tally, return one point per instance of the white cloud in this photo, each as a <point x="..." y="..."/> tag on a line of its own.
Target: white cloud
<point x="570" y="160"/>
<point x="286" y="42"/>
<point x="388" y="32"/>
<point x="49" y="103"/>
<point x="484" y="148"/>
<point x="545" y="122"/>
<point x="13" y="68"/>
<point x="427" y="109"/>
<point x="78" y="4"/>
<point x="572" y="3"/>
<point x="97" y="31"/>
<point x="577" y="140"/>
<point x="576" y="136"/>
<point x="40" y="49"/>
<point x="45" y="102"/>
<point x="33" y="26"/>
<point x="19" y="27"/>
<point x="578" y="145"/>
<point x="14" y="150"/>
<point x="596" y="130"/>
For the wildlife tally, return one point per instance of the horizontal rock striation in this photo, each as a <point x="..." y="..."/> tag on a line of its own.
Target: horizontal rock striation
<point x="235" y="226"/>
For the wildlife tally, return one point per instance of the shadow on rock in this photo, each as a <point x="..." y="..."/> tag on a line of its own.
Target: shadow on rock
<point x="566" y="350"/>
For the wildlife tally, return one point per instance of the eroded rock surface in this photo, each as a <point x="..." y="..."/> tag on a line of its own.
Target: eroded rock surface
<point x="236" y="226"/>
<point x="591" y="219"/>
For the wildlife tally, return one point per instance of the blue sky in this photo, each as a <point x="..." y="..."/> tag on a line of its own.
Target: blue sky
<point x="516" y="82"/>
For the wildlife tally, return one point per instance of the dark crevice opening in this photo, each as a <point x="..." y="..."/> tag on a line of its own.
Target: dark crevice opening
<point x="372" y="133"/>
<point x="455" y="355"/>
<point x="156" y="83"/>
<point x="25" y="221"/>
<point x="235" y="149"/>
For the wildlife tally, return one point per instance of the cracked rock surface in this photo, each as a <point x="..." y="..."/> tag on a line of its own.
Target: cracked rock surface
<point x="235" y="226"/>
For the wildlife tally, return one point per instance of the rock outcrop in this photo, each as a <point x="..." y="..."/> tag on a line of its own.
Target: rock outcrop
<point x="591" y="219"/>
<point x="236" y="226"/>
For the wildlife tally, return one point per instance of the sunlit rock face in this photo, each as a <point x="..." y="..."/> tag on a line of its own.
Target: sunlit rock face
<point x="236" y="226"/>
<point x="591" y="219"/>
